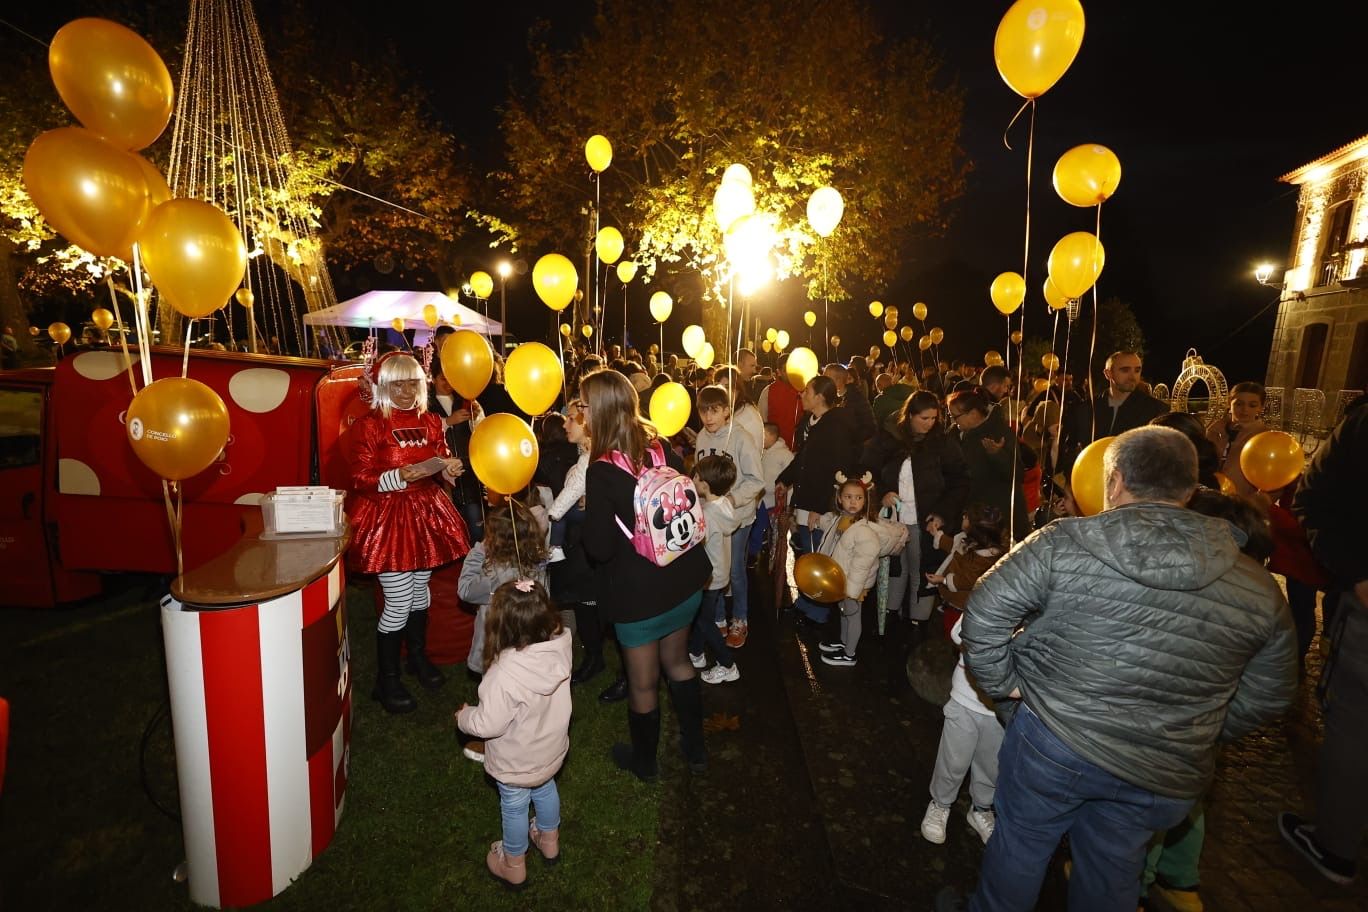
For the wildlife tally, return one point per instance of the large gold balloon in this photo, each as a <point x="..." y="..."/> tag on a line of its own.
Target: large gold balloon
<point x="1272" y="460"/>
<point x="103" y="318"/>
<point x="467" y="362"/>
<point x="1036" y="42"/>
<point x="430" y="315"/>
<point x="801" y="367"/>
<point x="906" y="333"/>
<point x="1053" y="296"/>
<point x="662" y="305"/>
<point x="481" y="284"/>
<point x="890" y="338"/>
<point x="503" y="451"/>
<point x="810" y="318"/>
<point x="177" y="427"/>
<point x="1087" y="481"/>
<point x="819" y="578"/>
<point x="1008" y="291"/>
<point x="1087" y="175"/>
<point x="919" y="310"/>
<point x="533" y="377"/>
<point x="194" y="254"/>
<point x="598" y="152"/>
<point x="112" y="80"/>
<point x="555" y="279"/>
<point x="609" y="244"/>
<point x="692" y="339"/>
<point x="94" y="194"/>
<point x="876" y="309"/>
<point x="59" y="332"/>
<point x="1075" y="263"/>
<point x="670" y="408"/>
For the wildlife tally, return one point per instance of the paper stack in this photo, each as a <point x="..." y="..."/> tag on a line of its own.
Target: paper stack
<point x="303" y="510"/>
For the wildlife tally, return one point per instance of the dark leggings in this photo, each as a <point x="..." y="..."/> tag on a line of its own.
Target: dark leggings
<point x="644" y="664"/>
<point x="590" y="627"/>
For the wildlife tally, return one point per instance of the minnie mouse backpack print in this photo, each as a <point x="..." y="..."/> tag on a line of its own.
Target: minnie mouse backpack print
<point x="669" y="517"/>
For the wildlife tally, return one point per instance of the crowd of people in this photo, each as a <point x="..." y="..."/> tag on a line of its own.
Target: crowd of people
<point x="1102" y="659"/>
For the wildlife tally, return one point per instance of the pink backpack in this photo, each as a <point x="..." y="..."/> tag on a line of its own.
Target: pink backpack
<point x="669" y="516"/>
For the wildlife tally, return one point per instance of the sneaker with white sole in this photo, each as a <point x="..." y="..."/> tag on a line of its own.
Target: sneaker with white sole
<point x="831" y="646"/>
<point x="1301" y="836"/>
<point x="839" y="659"/>
<point x="933" y="824"/>
<point x="983" y="822"/>
<point x="698" y="661"/>
<point x="736" y="637"/>
<point x="721" y="674"/>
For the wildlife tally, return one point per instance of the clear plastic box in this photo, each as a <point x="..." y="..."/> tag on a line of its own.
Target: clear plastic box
<point x="303" y="513"/>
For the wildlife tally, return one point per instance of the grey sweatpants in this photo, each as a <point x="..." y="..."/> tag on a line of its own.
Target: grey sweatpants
<point x="903" y="587"/>
<point x="1341" y="789"/>
<point x="851" y="624"/>
<point x="969" y="744"/>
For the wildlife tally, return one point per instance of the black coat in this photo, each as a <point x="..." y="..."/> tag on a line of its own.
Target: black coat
<point x="1332" y="498"/>
<point x="1136" y="411"/>
<point x="994" y="476"/>
<point x="824" y="448"/>
<point x="466" y="489"/>
<point x="940" y="476"/>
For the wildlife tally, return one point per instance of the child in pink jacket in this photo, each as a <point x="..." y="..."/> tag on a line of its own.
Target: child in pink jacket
<point x="524" y="718"/>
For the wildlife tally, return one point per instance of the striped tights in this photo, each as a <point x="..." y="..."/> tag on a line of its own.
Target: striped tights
<point x="405" y="591"/>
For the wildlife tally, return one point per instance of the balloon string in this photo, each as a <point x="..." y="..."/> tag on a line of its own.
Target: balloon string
<point x="1049" y="381"/>
<point x="141" y="317"/>
<point x="513" y="522"/>
<point x="1092" y="348"/>
<point x="1025" y="273"/>
<point x="173" y="516"/>
<point x="123" y="334"/>
<point x="185" y="359"/>
<point x="1024" y="106"/>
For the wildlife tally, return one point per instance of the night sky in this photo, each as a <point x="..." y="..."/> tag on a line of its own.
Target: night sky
<point x="1205" y="105"/>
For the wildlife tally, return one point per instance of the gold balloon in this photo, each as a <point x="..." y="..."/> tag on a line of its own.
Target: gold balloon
<point x="1227" y="486"/>
<point x="891" y="310"/>
<point x="1053" y="296"/>
<point x="1087" y="481"/>
<point x="692" y="339"/>
<point x="158" y="191"/>
<point x="890" y="338"/>
<point x="801" y="367"/>
<point x="533" y="377"/>
<point x="1040" y="385"/>
<point x="598" y="152"/>
<point x="1075" y="263"/>
<point x="102" y="318"/>
<point x="705" y="356"/>
<point x="835" y="341"/>
<point x="1016" y="337"/>
<point x="924" y="343"/>
<point x="890" y="319"/>
<point x="565" y="330"/>
<point x="907" y="334"/>
<point x="246" y="298"/>
<point x="609" y="245"/>
<point x="662" y="305"/>
<point x="1050" y="361"/>
<point x="766" y="345"/>
<point x="59" y="332"/>
<point x="112" y="80"/>
<point x="397" y="324"/>
<point x="771" y="334"/>
<point x="94" y="194"/>
<point x="875" y="309"/>
<point x="819" y="578"/>
<point x="467" y="362"/>
<point x="919" y="310"/>
<point x="810" y="318"/>
<point x="1272" y="460"/>
<point x="177" y="427"/>
<point x="555" y="280"/>
<point x="1087" y="175"/>
<point x="992" y="359"/>
<point x="503" y="451"/>
<point x="430" y="315"/>
<point x="670" y="408"/>
<point x="587" y="331"/>
<point x="1036" y="42"/>
<point x="626" y="271"/>
<point x="194" y="254"/>
<point x="481" y="284"/>
<point x="937" y="335"/>
<point x="781" y="341"/>
<point x="1008" y="291"/>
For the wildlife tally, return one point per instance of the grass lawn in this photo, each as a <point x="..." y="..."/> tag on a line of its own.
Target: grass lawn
<point x="78" y="830"/>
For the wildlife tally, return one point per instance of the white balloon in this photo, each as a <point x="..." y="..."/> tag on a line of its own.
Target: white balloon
<point x="732" y="201"/>
<point x="824" y="210"/>
<point x="661" y="305"/>
<point x="737" y="172"/>
<point x="693" y="339"/>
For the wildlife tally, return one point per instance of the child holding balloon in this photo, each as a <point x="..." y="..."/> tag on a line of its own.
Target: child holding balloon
<point x="855" y="545"/>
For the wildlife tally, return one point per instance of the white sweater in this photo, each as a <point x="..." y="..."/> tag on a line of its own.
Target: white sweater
<point x="573" y="489"/>
<point x="723" y="519"/>
<point x="740" y="446"/>
<point x="773" y="461"/>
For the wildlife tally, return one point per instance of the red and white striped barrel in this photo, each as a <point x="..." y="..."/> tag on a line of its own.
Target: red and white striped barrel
<point x="261" y="708"/>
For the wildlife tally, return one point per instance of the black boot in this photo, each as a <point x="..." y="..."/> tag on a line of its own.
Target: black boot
<point x="615" y="692"/>
<point x="589" y="668"/>
<point x="639" y="758"/>
<point x="688" y="707"/>
<point x="389" y="690"/>
<point x="415" y="635"/>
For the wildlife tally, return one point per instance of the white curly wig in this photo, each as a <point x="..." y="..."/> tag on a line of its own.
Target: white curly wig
<point x="396" y="366"/>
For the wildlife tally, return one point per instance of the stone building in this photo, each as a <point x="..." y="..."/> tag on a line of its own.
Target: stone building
<point x="1320" y="343"/>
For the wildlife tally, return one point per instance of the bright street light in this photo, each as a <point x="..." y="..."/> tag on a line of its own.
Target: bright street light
<point x="1263" y="273"/>
<point x="505" y="269"/>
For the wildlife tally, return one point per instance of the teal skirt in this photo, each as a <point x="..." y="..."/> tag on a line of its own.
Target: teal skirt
<point x="639" y="633"/>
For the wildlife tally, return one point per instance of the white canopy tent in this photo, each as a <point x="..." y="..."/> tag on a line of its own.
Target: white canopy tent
<point x="377" y="310"/>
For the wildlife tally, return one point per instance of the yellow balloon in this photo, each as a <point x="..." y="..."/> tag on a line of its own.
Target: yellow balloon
<point x="1016" y="337"/>
<point x="112" y="80"/>
<point x="937" y="335"/>
<point x="177" y="427"/>
<point x="481" y="284"/>
<point x="1087" y="175"/>
<point x="555" y="280"/>
<point x="467" y="362"/>
<point x="890" y="338"/>
<point x="819" y="578"/>
<point x="1040" y="385"/>
<point x="706" y="356"/>
<point x="1087" y="481"/>
<point x="430" y="315"/>
<point x="94" y="194"/>
<point x="662" y="305"/>
<point x="59" y="332"/>
<point x="194" y="254"/>
<point x="875" y="309"/>
<point x="626" y="271"/>
<point x="587" y="331"/>
<point x="1075" y="263"/>
<point x="771" y="334"/>
<point x="158" y="191"/>
<point x="835" y="341"/>
<point x="102" y="318"/>
<point x="246" y="298"/>
<point x="891" y="310"/>
<point x="919" y="310"/>
<point x="1008" y="291"/>
<point x="992" y="359"/>
<point x="598" y="152"/>
<point x="1053" y="296"/>
<point x="398" y="324"/>
<point x="1036" y="42"/>
<point x="810" y="318"/>
<point x="906" y="333"/>
<point x="503" y="451"/>
<point x="890" y="319"/>
<point x="824" y="210"/>
<point x="801" y="367"/>
<point x="565" y="330"/>
<point x="670" y="408"/>
<point x="924" y="343"/>
<point x="1272" y="460"/>
<point x="693" y="339"/>
<point x="533" y="377"/>
<point x="609" y="244"/>
<point x="781" y="341"/>
<point x="1227" y="486"/>
<point x="1050" y="361"/>
<point x="766" y="345"/>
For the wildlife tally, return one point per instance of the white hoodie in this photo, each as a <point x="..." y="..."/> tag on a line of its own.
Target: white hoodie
<point x="722" y="519"/>
<point x="773" y="461"/>
<point x="737" y="443"/>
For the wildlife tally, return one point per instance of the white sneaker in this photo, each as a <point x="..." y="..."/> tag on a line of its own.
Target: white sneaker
<point x="720" y="674"/>
<point x="983" y="822"/>
<point x="698" y="661"/>
<point x="556" y="556"/>
<point x="933" y="824"/>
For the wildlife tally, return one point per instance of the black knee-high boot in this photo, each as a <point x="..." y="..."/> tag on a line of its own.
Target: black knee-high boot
<point x="415" y="636"/>
<point x="389" y="690"/>
<point x="688" y="706"/>
<point x="639" y="758"/>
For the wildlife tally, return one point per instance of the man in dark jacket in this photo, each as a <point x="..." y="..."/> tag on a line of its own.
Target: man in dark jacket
<point x="1123" y="406"/>
<point x="1331" y="502"/>
<point x="1135" y="639"/>
<point x="854" y="401"/>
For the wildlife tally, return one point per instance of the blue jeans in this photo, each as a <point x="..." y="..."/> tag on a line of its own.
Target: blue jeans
<point x="705" y="630"/>
<point x="740" y="574"/>
<point x="758" y="529"/>
<point x="805" y="540"/>
<point x="513" y="801"/>
<point x="1045" y="790"/>
<point x="814" y="610"/>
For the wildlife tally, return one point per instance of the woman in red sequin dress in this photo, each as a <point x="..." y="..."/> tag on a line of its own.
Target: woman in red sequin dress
<point x="403" y="523"/>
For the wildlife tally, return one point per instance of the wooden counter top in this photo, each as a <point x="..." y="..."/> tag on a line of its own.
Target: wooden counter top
<point x="256" y="570"/>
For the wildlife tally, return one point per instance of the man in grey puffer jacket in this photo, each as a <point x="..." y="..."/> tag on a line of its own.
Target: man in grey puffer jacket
<point x="1145" y="637"/>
